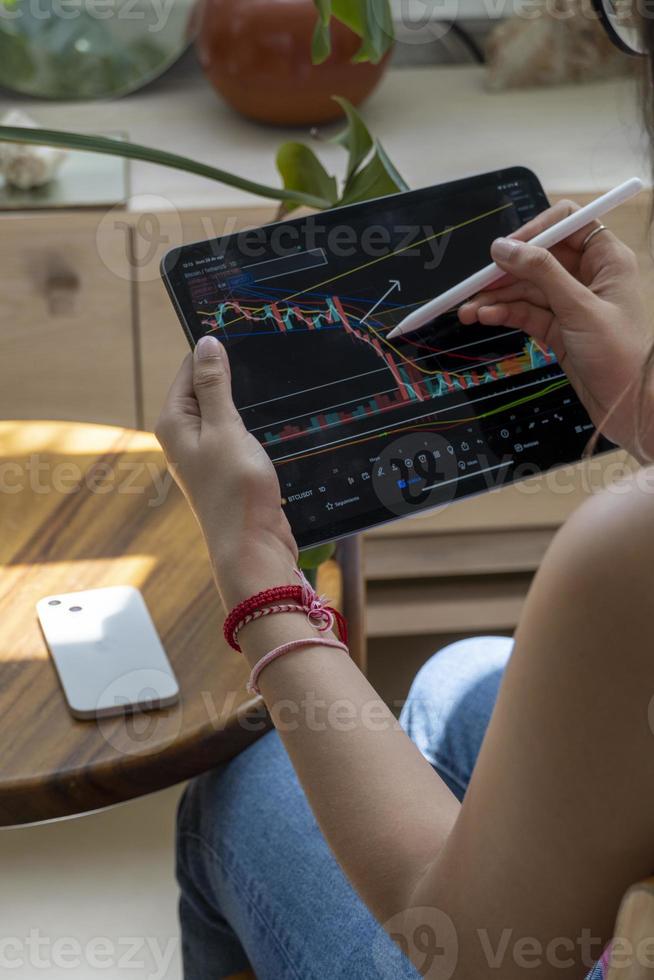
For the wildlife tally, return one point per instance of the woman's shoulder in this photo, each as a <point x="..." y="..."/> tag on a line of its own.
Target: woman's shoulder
<point x="610" y="537"/>
<point x="623" y="508"/>
<point x="595" y="587"/>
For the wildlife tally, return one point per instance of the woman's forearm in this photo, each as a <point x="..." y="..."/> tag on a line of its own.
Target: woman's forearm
<point x="383" y="810"/>
<point x="380" y="805"/>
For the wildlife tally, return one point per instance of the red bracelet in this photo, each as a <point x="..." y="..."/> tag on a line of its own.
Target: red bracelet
<point x="299" y="598"/>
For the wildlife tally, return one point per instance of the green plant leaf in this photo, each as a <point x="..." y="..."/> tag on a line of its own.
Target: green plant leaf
<point x="390" y="167"/>
<point x="372" y="20"/>
<point x="355" y="137"/>
<point x="312" y="558"/>
<point x="321" y="45"/>
<point x="372" y="180"/>
<point x="324" y="10"/>
<point x="132" y="151"/>
<point x="18" y="64"/>
<point x="302" y="172"/>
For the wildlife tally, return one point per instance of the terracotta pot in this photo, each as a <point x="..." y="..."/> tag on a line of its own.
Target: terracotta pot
<point x="257" y="54"/>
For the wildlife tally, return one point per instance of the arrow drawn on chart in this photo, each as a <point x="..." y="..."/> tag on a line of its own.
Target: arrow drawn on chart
<point x="395" y="284"/>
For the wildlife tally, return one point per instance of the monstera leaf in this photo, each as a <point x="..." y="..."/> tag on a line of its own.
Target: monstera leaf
<point x="372" y="20"/>
<point x="370" y="172"/>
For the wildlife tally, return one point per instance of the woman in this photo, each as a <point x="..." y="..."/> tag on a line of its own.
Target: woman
<point x="495" y="832"/>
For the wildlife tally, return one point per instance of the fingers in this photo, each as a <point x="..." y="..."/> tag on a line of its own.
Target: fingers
<point x="182" y="386"/>
<point x="566" y="252"/>
<point x="544" y="220"/>
<point x="606" y="253"/>
<point x="180" y="413"/>
<point x="521" y="315"/>
<point x="559" y="211"/>
<point x="212" y="382"/>
<point x="564" y="294"/>
<point x="509" y="294"/>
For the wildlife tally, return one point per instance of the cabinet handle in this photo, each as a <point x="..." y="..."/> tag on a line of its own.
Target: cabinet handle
<point x="61" y="293"/>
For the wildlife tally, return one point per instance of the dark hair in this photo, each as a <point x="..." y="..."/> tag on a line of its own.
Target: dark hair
<point x="646" y="28"/>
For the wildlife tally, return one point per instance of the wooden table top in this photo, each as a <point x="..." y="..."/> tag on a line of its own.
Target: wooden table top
<point x="85" y="506"/>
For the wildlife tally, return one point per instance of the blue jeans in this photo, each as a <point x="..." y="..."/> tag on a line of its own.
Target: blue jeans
<point x="258" y="882"/>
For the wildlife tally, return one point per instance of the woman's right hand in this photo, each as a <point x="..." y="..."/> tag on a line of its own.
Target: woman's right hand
<point x="584" y="304"/>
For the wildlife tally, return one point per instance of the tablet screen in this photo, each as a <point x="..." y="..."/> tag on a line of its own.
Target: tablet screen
<point x="361" y="429"/>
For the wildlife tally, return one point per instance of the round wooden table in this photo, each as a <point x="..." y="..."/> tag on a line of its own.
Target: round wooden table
<point x="85" y="506"/>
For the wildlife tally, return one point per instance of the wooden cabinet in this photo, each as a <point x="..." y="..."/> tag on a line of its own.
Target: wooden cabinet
<point x="66" y="325"/>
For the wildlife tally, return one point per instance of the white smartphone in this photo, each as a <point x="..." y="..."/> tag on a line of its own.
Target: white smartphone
<point x="107" y="652"/>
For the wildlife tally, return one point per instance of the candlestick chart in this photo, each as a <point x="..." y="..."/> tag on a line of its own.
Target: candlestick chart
<point x="361" y="428"/>
<point x="414" y="373"/>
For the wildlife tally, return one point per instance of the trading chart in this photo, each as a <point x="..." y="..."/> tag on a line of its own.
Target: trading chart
<point x="356" y="423"/>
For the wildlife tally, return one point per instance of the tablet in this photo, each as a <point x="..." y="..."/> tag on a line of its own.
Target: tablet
<point x="362" y="430"/>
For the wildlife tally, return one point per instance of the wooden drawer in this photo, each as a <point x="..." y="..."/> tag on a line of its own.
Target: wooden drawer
<point x="457" y="605"/>
<point x="66" y="341"/>
<point x="440" y="556"/>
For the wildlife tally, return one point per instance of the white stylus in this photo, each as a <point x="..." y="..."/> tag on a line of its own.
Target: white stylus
<point x="491" y="273"/>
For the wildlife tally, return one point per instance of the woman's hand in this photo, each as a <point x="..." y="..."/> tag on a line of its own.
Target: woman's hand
<point x="586" y="305"/>
<point x="227" y="478"/>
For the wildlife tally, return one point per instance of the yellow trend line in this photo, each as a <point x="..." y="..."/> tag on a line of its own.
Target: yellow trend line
<point x="382" y="258"/>
<point x="414" y="364"/>
<point x="428" y="425"/>
<point x="452" y="374"/>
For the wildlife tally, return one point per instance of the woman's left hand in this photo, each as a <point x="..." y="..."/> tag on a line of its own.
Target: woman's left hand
<point x="227" y="477"/>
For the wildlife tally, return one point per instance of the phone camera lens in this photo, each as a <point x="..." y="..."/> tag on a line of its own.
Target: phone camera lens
<point x="75" y="609"/>
<point x="54" y="602"/>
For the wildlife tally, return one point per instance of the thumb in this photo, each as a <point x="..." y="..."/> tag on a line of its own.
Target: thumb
<point x="212" y="381"/>
<point x="565" y="295"/>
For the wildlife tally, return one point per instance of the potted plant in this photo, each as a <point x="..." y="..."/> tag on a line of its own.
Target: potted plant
<point x="279" y="61"/>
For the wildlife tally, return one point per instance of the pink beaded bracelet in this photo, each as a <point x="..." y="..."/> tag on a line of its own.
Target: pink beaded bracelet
<point x="253" y="686"/>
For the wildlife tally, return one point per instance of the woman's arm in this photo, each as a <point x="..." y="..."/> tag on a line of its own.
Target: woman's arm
<point x="381" y="807"/>
<point x="383" y="810"/>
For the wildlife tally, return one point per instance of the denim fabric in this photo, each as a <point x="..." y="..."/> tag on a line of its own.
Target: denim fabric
<point x="259" y="884"/>
<point x="597" y="973"/>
